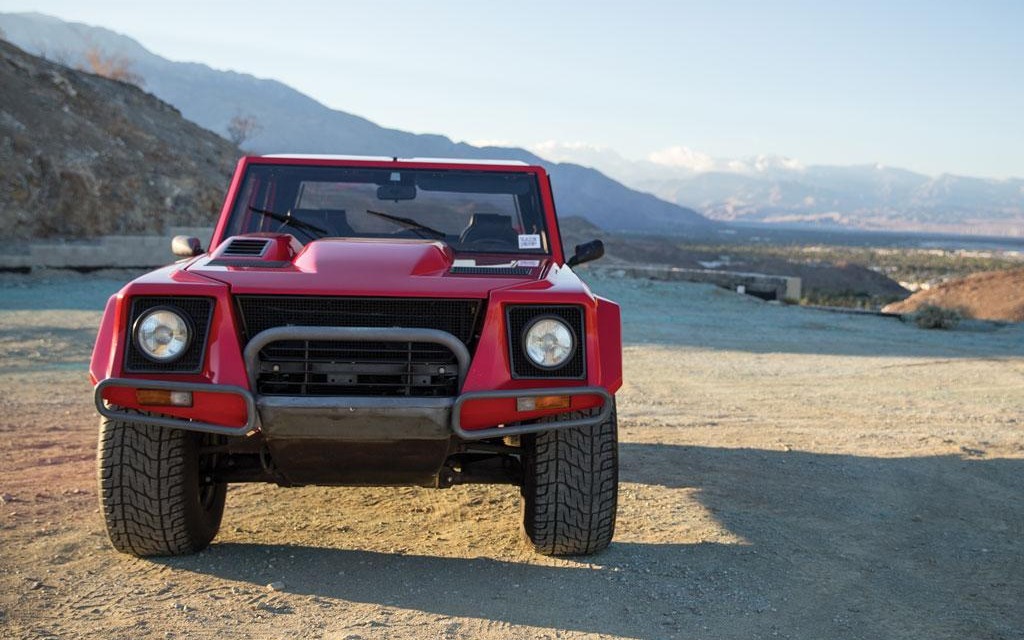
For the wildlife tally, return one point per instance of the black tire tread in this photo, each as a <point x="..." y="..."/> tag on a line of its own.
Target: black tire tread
<point x="144" y="476"/>
<point x="570" y="487"/>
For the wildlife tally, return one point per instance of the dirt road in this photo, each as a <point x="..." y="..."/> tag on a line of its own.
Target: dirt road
<point x="785" y="473"/>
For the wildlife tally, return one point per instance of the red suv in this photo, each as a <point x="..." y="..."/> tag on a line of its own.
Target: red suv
<point x="362" y="321"/>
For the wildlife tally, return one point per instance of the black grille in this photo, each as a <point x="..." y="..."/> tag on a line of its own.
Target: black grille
<point x="491" y="271"/>
<point x="248" y="263"/>
<point x="320" y="368"/>
<point x="246" y="247"/>
<point x="298" y="367"/>
<point x="198" y="310"/>
<point x="519" y="317"/>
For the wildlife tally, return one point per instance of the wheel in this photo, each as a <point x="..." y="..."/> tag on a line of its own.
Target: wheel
<point x="155" y="494"/>
<point x="571" y="486"/>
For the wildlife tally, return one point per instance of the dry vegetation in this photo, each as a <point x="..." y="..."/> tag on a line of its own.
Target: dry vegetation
<point x="111" y="65"/>
<point x="932" y="317"/>
<point x="242" y="127"/>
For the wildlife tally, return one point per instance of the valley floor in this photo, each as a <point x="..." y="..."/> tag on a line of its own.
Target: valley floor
<point x="785" y="473"/>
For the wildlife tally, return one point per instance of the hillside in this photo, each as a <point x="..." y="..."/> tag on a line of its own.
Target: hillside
<point x="993" y="295"/>
<point x="82" y="155"/>
<point x="292" y="122"/>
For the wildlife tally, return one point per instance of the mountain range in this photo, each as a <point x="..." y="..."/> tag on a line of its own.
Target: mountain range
<point x="771" y="189"/>
<point x="292" y="122"/>
<point x="675" y="190"/>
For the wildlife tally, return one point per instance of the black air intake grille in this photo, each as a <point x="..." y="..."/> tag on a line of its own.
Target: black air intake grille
<point x="246" y="247"/>
<point x="491" y="271"/>
<point x="321" y="368"/>
<point x="299" y="367"/>
<point x="197" y="310"/>
<point x="248" y="263"/>
<point x="519" y="318"/>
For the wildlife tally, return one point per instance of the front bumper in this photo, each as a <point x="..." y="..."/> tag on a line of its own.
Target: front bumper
<point x="352" y="418"/>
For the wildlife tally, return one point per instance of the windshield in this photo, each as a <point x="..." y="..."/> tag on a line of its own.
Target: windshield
<point x="473" y="211"/>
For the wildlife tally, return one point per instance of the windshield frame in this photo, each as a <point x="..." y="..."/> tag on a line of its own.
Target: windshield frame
<point x="542" y="216"/>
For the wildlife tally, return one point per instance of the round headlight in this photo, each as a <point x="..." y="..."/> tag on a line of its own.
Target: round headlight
<point x="162" y="335"/>
<point x="548" y="342"/>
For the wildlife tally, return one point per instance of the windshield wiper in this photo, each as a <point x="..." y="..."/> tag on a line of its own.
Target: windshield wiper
<point x="410" y="224"/>
<point x="311" y="230"/>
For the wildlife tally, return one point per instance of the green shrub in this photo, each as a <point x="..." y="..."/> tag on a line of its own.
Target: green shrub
<point x="931" y="316"/>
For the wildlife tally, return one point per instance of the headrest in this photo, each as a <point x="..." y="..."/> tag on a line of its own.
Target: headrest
<point x="490" y="220"/>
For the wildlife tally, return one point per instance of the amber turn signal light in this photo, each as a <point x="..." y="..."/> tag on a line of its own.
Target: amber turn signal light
<point x="159" y="397"/>
<point x="535" y="403"/>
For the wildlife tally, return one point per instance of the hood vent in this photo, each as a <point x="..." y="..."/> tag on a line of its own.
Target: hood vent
<point x="491" y="271"/>
<point x="246" y="247"/>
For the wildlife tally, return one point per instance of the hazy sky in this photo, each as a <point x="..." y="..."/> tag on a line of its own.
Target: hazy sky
<point x="934" y="86"/>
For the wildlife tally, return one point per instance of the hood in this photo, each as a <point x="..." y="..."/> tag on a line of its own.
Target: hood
<point x="278" y="264"/>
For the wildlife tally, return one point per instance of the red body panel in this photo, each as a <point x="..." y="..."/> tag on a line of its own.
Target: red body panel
<point x="361" y="267"/>
<point x="351" y="267"/>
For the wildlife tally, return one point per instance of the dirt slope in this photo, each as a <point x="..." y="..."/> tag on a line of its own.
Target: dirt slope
<point x="82" y="155"/>
<point x="993" y="295"/>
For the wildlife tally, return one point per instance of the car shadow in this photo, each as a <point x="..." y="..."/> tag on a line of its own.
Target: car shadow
<point x="519" y="593"/>
<point x="793" y="543"/>
<point x="929" y="546"/>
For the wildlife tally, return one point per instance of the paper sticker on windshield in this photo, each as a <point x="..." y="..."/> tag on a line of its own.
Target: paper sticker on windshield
<point x="527" y="263"/>
<point x="529" y="241"/>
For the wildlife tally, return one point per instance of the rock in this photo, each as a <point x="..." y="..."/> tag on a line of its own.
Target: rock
<point x="7" y="498"/>
<point x="275" y="586"/>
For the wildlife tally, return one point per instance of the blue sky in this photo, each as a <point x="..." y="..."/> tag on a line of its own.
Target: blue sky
<point x="936" y="87"/>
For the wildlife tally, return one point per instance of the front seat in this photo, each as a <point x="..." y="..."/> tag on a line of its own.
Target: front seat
<point x="490" y="226"/>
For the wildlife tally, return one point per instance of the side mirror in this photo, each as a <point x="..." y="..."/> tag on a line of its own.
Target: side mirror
<point x="586" y="252"/>
<point x="186" y="246"/>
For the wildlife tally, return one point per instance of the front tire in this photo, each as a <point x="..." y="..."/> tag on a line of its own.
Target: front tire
<point x="155" y="492"/>
<point x="570" y="486"/>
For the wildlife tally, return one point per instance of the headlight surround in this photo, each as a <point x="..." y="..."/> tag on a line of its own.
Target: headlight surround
<point x="163" y="334"/>
<point x="548" y="342"/>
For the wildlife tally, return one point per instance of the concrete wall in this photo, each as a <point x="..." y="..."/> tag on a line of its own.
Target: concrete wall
<point x="101" y="253"/>
<point x="766" y="286"/>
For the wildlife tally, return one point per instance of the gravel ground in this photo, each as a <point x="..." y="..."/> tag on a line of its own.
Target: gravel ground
<point x="785" y="473"/>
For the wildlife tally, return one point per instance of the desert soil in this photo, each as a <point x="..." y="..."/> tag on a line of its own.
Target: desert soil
<point x="784" y="473"/>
